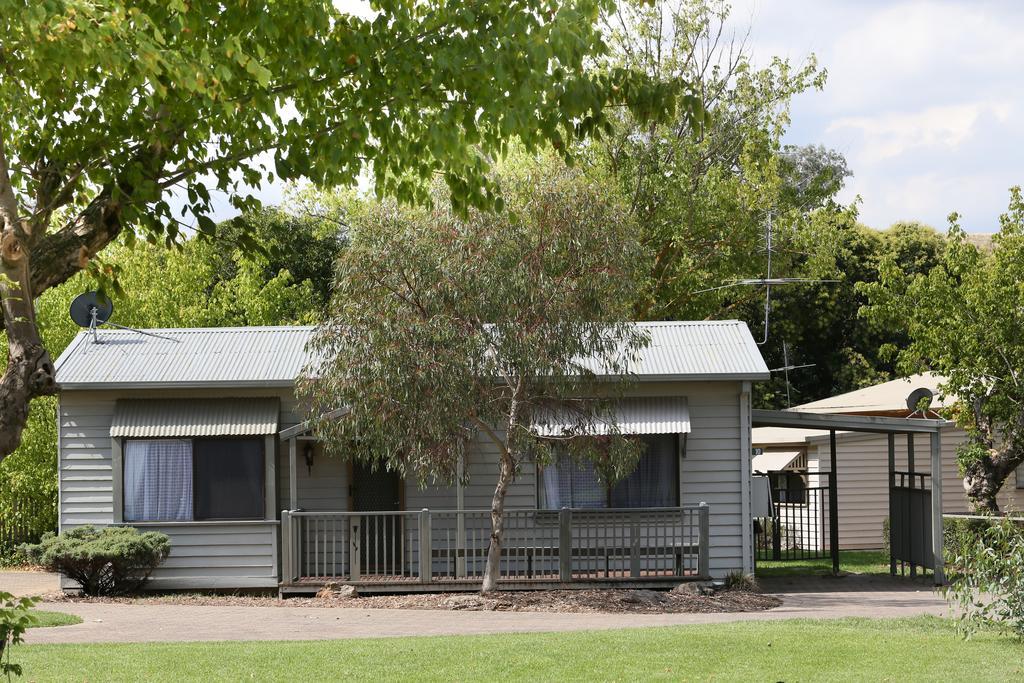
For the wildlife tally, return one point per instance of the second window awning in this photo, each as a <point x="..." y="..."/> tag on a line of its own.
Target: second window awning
<point x="172" y="418"/>
<point x="774" y="461"/>
<point x="648" y="415"/>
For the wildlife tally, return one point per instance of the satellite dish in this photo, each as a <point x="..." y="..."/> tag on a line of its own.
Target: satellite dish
<point x="918" y="395"/>
<point x="91" y="309"/>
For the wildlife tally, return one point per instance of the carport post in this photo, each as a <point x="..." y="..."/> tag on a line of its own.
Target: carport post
<point x="892" y="485"/>
<point x="938" y="561"/>
<point x="833" y="503"/>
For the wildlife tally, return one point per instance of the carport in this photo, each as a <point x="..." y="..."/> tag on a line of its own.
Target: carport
<point x="915" y="505"/>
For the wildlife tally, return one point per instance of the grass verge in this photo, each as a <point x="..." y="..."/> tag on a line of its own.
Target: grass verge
<point x="46" y="618"/>
<point x="874" y="562"/>
<point x="925" y="648"/>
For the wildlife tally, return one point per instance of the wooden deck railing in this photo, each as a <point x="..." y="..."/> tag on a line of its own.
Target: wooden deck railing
<point x="439" y="546"/>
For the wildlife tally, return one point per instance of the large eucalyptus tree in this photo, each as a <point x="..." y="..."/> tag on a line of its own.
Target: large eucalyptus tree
<point x="444" y="328"/>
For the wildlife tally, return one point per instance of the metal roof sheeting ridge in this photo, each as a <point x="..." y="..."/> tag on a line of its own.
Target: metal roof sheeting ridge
<point x="275" y="356"/>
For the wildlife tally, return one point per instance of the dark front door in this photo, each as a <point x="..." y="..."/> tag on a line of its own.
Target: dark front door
<point x="380" y="535"/>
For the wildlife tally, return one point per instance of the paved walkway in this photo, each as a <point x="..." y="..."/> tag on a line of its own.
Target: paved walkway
<point x="850" y="597"/>
<point x="29" y="583"/>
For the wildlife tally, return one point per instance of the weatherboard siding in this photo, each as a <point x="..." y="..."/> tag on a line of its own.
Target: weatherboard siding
<point x="203" y="554"/>
<point x="234" y="555"/>
<point x="711" y="471"/>
<point x="862" y="482"/>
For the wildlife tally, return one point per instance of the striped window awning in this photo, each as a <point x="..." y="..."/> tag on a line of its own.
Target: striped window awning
<point x="171" y="418"/>
<point x="774" y="461"/>
<point x="658" y="415"/>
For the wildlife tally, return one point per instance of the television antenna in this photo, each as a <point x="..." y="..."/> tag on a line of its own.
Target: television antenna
<point x="91" y="310"/>
<point x="786" y="367"/>
<point x="767" y="281"/>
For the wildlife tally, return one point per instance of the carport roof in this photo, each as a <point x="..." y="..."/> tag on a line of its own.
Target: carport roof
<point x="845" y="423"/>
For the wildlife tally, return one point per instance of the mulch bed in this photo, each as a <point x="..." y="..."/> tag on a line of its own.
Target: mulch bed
<point x="611" y="600"/>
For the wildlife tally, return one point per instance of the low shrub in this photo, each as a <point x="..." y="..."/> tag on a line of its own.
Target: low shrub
<point x="15" y="619"/>
<point x="987" y="577"/>
<point x="739" y="581"/>
<point x="956" y="532"/>
<point x="106" y="561"/>
<point x="959" y="533"/>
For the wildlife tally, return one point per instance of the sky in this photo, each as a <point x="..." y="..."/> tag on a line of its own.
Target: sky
<point x="925" y="99"/>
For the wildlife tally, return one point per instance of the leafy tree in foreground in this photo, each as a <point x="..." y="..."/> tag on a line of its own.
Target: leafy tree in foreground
<point x="108" y="106"/>
<point x="443" y="329"/>
<point x="15" y="618"/>
<point x="964" y="319"/>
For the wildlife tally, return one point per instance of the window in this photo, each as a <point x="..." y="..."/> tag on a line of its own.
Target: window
<point x="169" y="480"/>
<point x="654" y="482"/>
<point x="789" y="487"/>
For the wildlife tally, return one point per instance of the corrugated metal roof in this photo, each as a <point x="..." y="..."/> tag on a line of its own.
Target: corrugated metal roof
<point x="662" y="415"/>
<point x="715" y="349"/>
<point x="159" y="418"/>
<point x="223" y="356"/>
<point x="274" y="356"/>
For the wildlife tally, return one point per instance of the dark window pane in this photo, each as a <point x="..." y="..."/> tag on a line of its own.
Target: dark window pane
<point x="228" y="478"/>
<point x="655" y="481"/>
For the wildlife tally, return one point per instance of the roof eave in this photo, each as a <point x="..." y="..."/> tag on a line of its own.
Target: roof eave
<point x="238" y="384"/>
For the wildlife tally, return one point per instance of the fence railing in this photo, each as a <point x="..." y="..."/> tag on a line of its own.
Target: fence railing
<point x="538" y="545"/>
<point x="798" y="528"/>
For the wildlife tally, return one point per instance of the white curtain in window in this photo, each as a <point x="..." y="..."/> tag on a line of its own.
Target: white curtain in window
<point x="158" y="480"/>
<point x="572" y="485"/>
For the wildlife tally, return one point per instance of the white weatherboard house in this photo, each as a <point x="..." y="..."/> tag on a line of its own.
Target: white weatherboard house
<point x="796" y="459"/>
<point x="199" y="436"/>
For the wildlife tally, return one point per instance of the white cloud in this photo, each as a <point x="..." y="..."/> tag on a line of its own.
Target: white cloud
<point x="925" y="99"/>
<point x="892" y="134"/>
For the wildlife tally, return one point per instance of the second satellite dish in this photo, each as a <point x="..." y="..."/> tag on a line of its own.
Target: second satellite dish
<point x="915" y="398"/>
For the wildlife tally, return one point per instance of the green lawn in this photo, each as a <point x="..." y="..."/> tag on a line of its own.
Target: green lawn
<point x="851" y="561"/>
<point x="850" y="649"/>
<point x="54" y="618"/>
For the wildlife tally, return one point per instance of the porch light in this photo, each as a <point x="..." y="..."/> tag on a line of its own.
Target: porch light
<point x="308" y="453"/>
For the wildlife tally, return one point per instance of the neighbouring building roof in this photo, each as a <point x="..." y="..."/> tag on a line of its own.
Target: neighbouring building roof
<point x="170" y="418"/>
<point x="887" y="397"/>
<point x="775" y="436"/>
<point x="774" y="461"/>
<point x="274" y="356"/>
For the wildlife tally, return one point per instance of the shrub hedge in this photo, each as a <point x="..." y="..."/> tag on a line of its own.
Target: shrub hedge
<point x="106" y="561"/>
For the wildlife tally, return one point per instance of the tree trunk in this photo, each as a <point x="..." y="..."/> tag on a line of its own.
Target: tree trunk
<point x="984" y="477"/>
<point x="505" y="476"/>
<point x="29" y="371"/>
